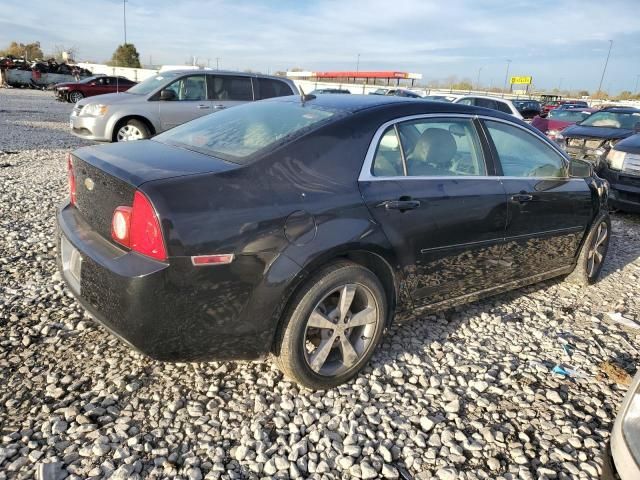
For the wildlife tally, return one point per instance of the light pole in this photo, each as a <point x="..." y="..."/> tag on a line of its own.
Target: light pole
<point x="124" y="18"/>
<point x="478" y="80"/>
<point x="560" y="84"/>
<point x="217" y="63"/>
<point x="506" y="77"/>
<point x="605" y="66"/>
<point x="637" y="80"/>
<point x="358" y="64"/>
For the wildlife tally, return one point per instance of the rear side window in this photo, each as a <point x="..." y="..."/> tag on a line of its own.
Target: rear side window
<point x="388" y="159"/>
<point x="486" y="103"/>
<point x="503" y="107"/>
<point x="270" y="88"/>
<point x="236" y="134"/>
<point x="228" y="87"/>
<point x="521" y="154"/>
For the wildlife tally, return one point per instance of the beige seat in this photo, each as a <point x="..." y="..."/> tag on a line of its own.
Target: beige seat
<point x="433" y="153"/>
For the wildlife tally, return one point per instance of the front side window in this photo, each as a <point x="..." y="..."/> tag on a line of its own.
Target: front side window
<point x="188" y="88"/>
<point x="486" y="103"/>
<point x="227" y="87"/>
<point x="430" y="148"/>
<point x="521" y="154"/>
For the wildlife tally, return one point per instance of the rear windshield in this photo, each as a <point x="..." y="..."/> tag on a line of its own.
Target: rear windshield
<point x="613" y="120"/>
<point x="236" y="134"/>
<point x="574" y="116"/>
<point x="151" y="83"/>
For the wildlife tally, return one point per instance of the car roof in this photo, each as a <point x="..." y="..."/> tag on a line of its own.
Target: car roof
<point x="488" y="97"/>
<point x="212" y="71"/>
<point x="355" y="103"/>
<point x="621" y="109"/>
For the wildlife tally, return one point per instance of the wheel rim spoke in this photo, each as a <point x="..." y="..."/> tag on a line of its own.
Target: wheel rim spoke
<point x="319" y="320"/>
<point x="349" y="354"/>
<point x="320" y="354"/>
<point x="365" y="317"/>
<point x="346" y="298"/>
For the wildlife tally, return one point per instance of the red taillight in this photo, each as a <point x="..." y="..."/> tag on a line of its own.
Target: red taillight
<point x="71" y="177"/>
<point x="138" y="228"/>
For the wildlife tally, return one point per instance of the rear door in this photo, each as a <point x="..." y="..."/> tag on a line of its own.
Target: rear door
<point x="548" y="211"/>
<point x="426" y="182"/>
<point x="228" y="90"/>
<point x="269" y="88"/>
<point x="190" y="101"/>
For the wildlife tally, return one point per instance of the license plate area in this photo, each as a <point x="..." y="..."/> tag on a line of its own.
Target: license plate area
<point x="71" y="263"/>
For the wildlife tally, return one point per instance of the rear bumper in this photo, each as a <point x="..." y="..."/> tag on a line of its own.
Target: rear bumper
<point x="171" y="311"/>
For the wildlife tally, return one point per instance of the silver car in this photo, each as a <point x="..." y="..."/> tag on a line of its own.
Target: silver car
<point x="625" y="437"/>
<point x="169" y="99"/>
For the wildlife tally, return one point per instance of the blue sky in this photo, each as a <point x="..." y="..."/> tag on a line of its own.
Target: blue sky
<point x="559" y="43"/>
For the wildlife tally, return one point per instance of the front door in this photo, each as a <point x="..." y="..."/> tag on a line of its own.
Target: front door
<point x="549" y="212"/>
<point x="189" y="101"/>
<point x="428" y="185"/>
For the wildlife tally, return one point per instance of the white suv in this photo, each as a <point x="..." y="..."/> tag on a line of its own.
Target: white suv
<point x="494" y="103"/>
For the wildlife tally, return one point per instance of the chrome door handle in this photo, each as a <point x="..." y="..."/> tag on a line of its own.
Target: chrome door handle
<point x="401" y="205"/>
<point x="522" y="198"/>
<point x="218" y="107"/>
<point x="203" y="107"/>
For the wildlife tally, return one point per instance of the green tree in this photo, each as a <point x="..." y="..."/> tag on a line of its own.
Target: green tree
<point x="30" y="51"/>
<point x="125" y="55"/>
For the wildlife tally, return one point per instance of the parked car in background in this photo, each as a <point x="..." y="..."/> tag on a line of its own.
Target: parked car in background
<point x="300" y="227"/>
<point x="559" y="119"/>
<point x="622" y="170"/>
<point x="322" y="91"/>
<point x="494" y="103"/>
<point x="625" y="438"/>
<point x="442" y="98"/>
<point x="547" y="107"/>
<point x="98" y="85"/>
<point x="572" y="104"/>
<point x="170" y="99"/>
<point x="593" y="137"/>
<point x="383" y="91"/>
<point x="528" y="108"/>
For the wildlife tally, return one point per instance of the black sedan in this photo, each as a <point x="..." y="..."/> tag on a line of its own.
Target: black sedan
<point x="622" y="170"/>
<point x="301" y="227"/>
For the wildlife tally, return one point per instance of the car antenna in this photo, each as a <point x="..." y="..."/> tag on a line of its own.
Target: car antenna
<point x="304" y="97"/>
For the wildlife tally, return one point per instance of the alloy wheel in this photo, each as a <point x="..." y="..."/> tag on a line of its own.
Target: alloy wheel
<point x="341" y="329"/>
<point x="597" y="250"/>
<point x="75" y="97"/>
<point x="128" y="133"/>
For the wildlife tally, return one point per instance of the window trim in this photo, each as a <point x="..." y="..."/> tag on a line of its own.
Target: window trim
<point x="367" y="176"/>
<point x="496" y="156"/>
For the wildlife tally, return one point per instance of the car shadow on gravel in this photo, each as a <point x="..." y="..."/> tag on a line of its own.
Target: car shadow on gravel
<point x="623" y="247"/>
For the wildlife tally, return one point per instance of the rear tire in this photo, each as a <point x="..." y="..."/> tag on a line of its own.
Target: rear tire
<point x="132" y="130"/>
<point x="593" y="252"/>
<point x="332" y="326"/>
<point x="75" y="97"/>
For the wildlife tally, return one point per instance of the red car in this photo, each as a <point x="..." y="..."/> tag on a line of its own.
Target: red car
<point x="552" y="105"/>
<point x="558" y="119"/>
<point x="88" y="87"/>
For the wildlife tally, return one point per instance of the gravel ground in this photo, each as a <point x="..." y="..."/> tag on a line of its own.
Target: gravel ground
<point x="467" y="393"/>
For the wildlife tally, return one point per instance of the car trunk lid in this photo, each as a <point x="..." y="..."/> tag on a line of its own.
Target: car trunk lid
<point x="107" y="176"/>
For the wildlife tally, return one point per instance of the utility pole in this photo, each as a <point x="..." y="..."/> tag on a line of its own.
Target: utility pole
<point x="217" y="63"/>
<point x="637" y="80"/>
<point x="560" y="84"/>
<point x="478" y="80"/>
<point x="506" y="77"/>
<point x="605" y="66"/>
<point x="124" y="17"/>
<point x="358" y="64"/>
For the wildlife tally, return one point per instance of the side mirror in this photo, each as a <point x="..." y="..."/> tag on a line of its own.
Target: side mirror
<point x="580" y="169"/>
<point x="167" y="95"/>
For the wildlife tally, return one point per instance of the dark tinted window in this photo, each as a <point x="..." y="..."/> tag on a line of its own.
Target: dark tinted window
<point x="227" y="87"/>
<point x="521" y="154"/>
<point x="270" y="88"/>
<point x="486" y="103"/>
<point x="503" y="107"/>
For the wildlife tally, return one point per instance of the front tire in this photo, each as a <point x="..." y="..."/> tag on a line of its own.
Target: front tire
<point x="332" y="327"/>
<point x="132" y="130"/>
<point x="593" y="252"/>
<point x="75" y="97"/>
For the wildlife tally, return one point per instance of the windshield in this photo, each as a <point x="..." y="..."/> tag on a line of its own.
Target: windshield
<point x="90" y="79"/>
<point x="239" y="132"/>
<point x="573" y="116"/>
<point x="152" y="83"/>
<point x="613" y="120"/>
